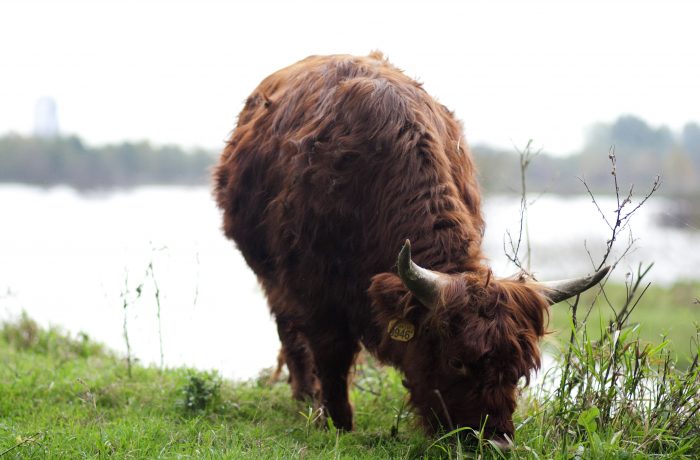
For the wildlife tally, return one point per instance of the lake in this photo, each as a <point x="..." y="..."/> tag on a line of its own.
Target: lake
<point x="71" y="259"/>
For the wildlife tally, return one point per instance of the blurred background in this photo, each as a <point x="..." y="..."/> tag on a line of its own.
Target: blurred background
<point x="113" y="113"/>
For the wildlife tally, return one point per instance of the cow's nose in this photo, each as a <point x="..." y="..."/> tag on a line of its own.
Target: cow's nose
<point x="503" y="444"/>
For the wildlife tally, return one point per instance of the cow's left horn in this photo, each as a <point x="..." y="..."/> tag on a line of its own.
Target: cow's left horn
<point x="424" y="284"/>
<point x="556" y="291"/>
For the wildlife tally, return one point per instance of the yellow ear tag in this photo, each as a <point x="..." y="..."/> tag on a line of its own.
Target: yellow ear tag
<point x="401" y="330"/>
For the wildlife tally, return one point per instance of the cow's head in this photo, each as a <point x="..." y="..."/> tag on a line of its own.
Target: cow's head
<point x="463" y="341"/>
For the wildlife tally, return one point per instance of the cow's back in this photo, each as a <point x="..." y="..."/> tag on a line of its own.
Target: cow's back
<point x="334" y="162"/>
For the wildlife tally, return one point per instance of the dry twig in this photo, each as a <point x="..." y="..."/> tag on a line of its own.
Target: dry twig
<point x="28" y="439"/>
<point x="513" y="253"/>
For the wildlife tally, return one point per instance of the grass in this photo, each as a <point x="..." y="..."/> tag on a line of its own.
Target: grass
<point x="75" y="400"/>
<point x="67" y="397"/>
<point x="663" y="313"/>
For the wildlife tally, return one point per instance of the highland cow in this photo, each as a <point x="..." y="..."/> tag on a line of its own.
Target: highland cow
<point x="336" y="163"/>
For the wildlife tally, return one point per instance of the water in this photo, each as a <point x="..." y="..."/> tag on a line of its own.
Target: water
<point x="566" y="231"/>
<point x="66" y="259"/>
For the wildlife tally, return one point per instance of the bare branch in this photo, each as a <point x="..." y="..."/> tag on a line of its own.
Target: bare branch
<point x="654" y="188"/>
<point x="513" y="254"/>
<point x="621" y="220"/>
<point x="590" y="193"/>
<point x="620" y="223"/>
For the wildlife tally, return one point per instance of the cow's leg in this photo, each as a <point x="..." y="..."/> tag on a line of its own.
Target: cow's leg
<point x="281" y="361"/>
<point x="333" y="357"/>
<point x="298" y="359"/>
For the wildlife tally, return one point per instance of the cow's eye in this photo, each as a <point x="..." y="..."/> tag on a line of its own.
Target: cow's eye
<point x="457" y="365"/>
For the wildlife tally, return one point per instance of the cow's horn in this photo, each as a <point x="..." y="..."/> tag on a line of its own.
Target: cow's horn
<point x="556" y="291"/>
<point x="424" y="284"/>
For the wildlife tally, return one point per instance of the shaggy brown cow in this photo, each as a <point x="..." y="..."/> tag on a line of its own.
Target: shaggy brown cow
<point x="336" y="161"/>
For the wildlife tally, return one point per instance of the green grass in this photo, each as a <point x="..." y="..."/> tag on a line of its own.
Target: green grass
<point x="68" y="397"/>
<point x="63" y="397"/>
<point x="662" y="313"/>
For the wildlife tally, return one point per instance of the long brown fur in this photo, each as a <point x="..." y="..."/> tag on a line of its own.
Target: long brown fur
<point x="335" y="161"/>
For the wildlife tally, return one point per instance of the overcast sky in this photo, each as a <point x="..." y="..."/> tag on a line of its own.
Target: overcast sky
<point x="178" y="71"/>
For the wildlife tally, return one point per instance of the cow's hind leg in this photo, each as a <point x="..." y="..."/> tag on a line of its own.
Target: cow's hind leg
<point x="298" y="359"/>
<point x="333" y="357"/>
<point x="281" y="361"/>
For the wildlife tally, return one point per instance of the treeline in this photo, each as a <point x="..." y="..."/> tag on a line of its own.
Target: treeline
<point x="68" y="161"/>
<point x="642" y="152"/>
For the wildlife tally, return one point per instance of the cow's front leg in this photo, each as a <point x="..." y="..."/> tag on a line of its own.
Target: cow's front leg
<point x="333" y="356"/>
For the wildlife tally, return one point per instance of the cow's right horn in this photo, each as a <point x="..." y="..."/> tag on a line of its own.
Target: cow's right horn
<point x="424" y="284"/>
<point x="556" y="291"/>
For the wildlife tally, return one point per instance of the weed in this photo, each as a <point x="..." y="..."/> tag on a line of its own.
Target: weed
<point x="313" y="417"/>
<point x="201" y="392"/>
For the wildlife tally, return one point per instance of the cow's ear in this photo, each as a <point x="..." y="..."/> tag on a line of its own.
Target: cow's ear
<point x="394" y="308"/>
<point x="386" y="291"/>
<point x="390" y="299"/>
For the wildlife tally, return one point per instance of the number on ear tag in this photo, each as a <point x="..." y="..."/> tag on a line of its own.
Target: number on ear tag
<point x="401" y="330"/>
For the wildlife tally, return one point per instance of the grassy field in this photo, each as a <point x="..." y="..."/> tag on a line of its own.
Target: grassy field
<point x="615" y="397"/>
<point x="663" y="313"/>
<point x="66" y="397"/>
